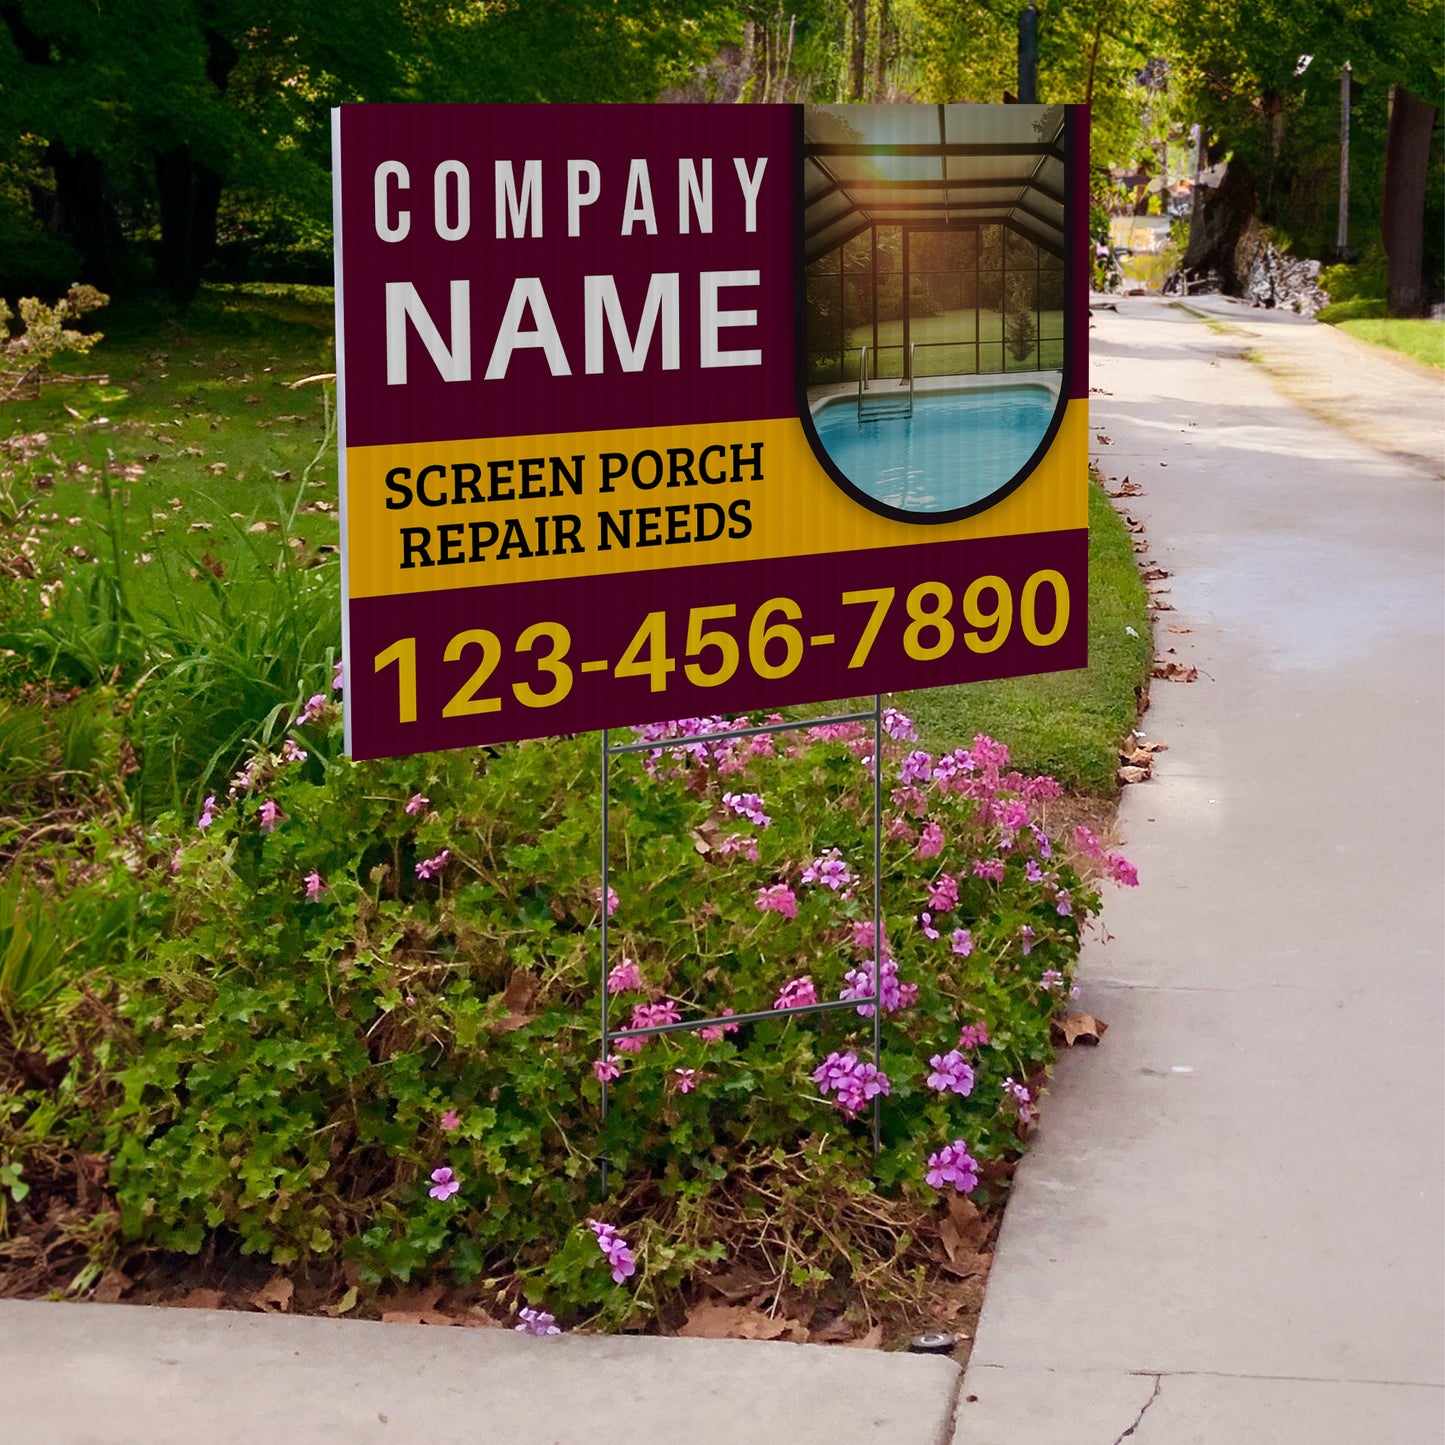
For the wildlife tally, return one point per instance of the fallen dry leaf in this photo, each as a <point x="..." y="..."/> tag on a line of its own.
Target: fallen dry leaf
<point x="113" y="1284"/>
<point x="972" y="1227"/>
<point x="264" y="527"/>
<point x="274" y="1297"/>
<point x="873" y="1340"/>
<point x="1137" y="757"/>
<point x="1079" y="1029"/>
<point x="1179" y="627"/>
<point x="1161" y="604"/>
<point x="1175" y="672"/>
<point x="710" y="1320"/>
<point x="1132" y="774"/>
<point x="1156" y="574"/>
<point x="517" y="999"/>
<point x="416" y="1317"/>
<point x="216" y="469"/>
<point x="200" y="1299"/>
<point x="344" y="1305"/>
<point x="741" y="1282"/>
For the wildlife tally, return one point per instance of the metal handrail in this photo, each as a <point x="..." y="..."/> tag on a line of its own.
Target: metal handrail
<point x="911" y="345"/>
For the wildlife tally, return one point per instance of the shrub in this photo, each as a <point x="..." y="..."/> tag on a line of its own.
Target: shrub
<point x="367" y="1020"/>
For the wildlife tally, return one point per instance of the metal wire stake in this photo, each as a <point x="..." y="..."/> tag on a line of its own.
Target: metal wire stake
<point x="606" y="1050"/>
<point x="877" y="916"/>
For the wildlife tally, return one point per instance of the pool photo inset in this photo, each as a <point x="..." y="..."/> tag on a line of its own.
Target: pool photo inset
<point x="934" y="298"/>
<point x="956" y="448"/>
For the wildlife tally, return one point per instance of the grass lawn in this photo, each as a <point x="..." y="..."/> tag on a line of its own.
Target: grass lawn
<point x="205" y="445"/>
<point x="1421" y="340"/>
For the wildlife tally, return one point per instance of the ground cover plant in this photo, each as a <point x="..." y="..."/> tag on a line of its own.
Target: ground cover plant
<point x="336" y="1024"/>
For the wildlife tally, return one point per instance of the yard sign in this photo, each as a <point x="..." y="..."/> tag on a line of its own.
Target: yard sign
<point x="656" y="411"/>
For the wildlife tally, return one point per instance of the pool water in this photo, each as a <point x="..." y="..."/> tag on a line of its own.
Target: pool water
<point x="955" y="450"/>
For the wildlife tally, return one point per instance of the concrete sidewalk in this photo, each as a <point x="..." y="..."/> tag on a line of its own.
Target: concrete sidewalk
<point x="1230" y="1227"/>
<point x="75" y="1374"/>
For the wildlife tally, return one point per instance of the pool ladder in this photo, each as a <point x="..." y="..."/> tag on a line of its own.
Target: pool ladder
<point x="883" y="408"/>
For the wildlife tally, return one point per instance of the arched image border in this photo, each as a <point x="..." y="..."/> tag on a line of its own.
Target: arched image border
<point x="800" y="346"/>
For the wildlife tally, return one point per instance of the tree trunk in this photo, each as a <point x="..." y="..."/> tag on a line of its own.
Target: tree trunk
<point x="190" y="197"/>
<point x="85" y="213"/>
<point x="1223" y="219"/>
<point x="1402" y="214"/>
<point x="858" y="52"/>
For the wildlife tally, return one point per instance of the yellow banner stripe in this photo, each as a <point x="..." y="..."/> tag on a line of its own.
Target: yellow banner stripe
<point x="528" y="509"/>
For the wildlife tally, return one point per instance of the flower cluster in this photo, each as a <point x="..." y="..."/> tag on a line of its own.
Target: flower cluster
<point x="952" y="1074"/>
<point x="649" y="1016"/>
<point x="712" y="1033"/>
<point x="625" y="977"/>
<point x="614" y="1250"/>
<point x="208" y="813"/>
<point x="892" y="994"/>
<point x="536" y="1322"/>
<point x="953" y="1165"/>
<point x="829" y="871"/>
<point x="777" y="898"/>
<point x="747" y="805"/>
<point x="973" y="1036"/>
<point x="316" y="706"/>
<point x="851" y="1082"/>
<point x="433" y="867"/>
<point x="796" y="993"/>
<point x="1023" y="1100"/>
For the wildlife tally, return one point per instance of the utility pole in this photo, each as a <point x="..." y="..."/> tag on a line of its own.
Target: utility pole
<point x="1342" y="236"/>
<point x="1029" y="56"/>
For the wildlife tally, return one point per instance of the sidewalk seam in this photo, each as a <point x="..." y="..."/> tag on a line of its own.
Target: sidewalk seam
<point x="950" y="1425"/>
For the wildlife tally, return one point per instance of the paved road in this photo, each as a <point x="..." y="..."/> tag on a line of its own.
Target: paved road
<point x="1230" y="1229"/>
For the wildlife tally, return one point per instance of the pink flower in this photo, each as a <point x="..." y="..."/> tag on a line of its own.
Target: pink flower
<point x="611" y="899"/>
<point x="208" y="813"/>
<point x="614" y="1250"/>
<point x="796" y="993"/>
<point x="1062" y="904"/>
<point x="450" y="1120"/>
<point x="268" y="816"/>
<point x="851" y="1083"/>
<point x="991" y="868"/>
<point x="962" y="943"/>
<point x="953" y="1165"/>
<point x="314" y="885"/>
<point x="536" y="1322"/>
<point x="444" y="1183"/>
<point x="713" y="1033"/>
<point x="943" y="893"/>
<point x="747" y="805"/>
<point x="1033" y="872"/>
<point x="951" y="1074"/>
<point x="1087" y="842"/>
<point x="1052" y="979"/>
<point x="625" y="977"/>
<point x="417" y="803"/>
<point x="686" y="1080"/>
<point x="1023" y="1100"/>
<point x="316" y="704"/>
<point x="973" y="1036"/>
<point x="739" y="843"/>
<point x="778" y="898"/>
<point x="930" y="845"/>
<point x="337" y="676"/>
<point x="925" y="922"/>
<point x="917" y="767"/>
<point x="892" y="994"/>
<point x="608" y="1069"/>
<point x="432" y="867"/>
<point x="1122" y="871"/>
<point x="1012" y="814"/>
<point x="1026" y="940"/>
<point x="899" y="726"/>
<point x="829" y="871"/>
